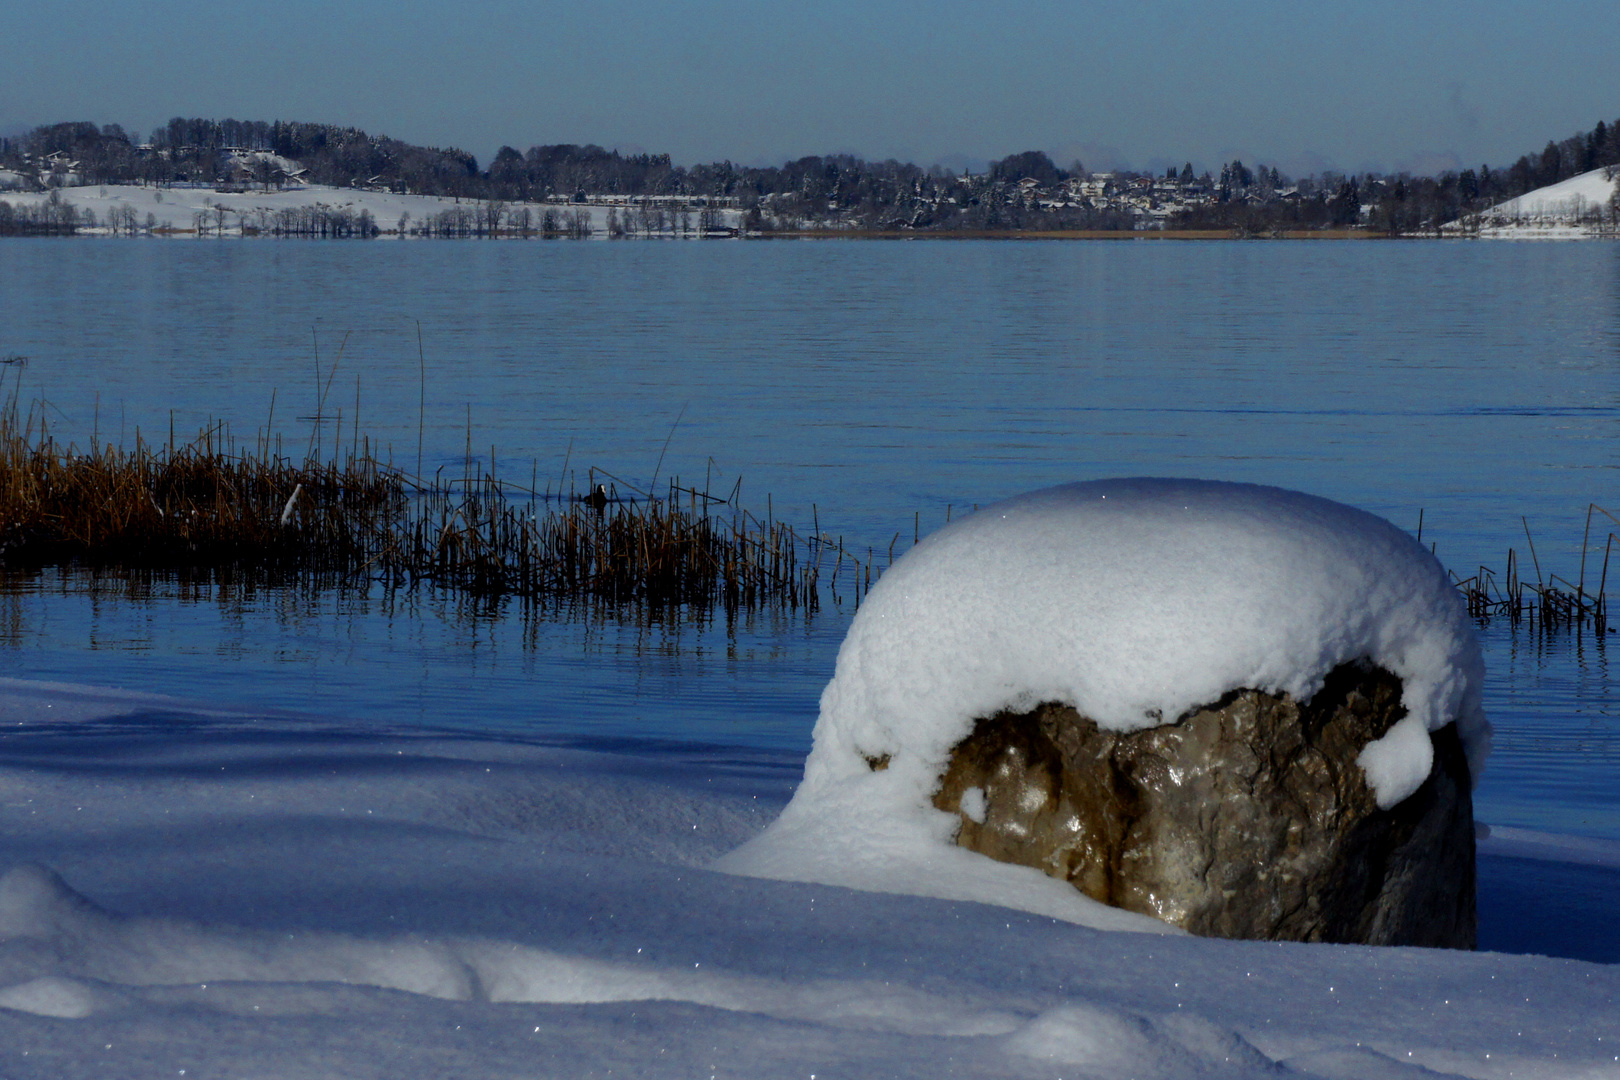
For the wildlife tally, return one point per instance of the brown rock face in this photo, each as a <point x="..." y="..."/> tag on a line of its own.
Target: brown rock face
<point x="1249" y="818"/>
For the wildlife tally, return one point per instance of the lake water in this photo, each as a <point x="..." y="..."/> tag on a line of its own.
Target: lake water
<point x="876" y="387"/>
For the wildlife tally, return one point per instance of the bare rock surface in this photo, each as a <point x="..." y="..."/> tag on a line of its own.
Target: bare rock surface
<point x="1248" y="818"/>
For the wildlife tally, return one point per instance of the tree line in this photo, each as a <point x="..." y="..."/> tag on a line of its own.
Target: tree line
<point x="1025" y="191"/>
<point x="197" y="151"/>
<point x="1401" y="203"/>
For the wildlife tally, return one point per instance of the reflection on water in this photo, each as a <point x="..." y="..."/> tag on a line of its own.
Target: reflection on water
<point x="1555" y="765"/>
<point x="427" y="659"/>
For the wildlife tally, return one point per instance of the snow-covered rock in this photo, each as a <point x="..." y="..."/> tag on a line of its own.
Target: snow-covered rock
<point x="1134" y="602"/>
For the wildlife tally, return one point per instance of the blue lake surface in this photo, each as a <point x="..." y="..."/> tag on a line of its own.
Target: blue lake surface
<point x="875" y="387"/>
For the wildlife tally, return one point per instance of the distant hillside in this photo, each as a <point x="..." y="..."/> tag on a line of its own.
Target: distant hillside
<point x="1025" y="191"/>
<point x="1575" y="199"/>
<point x="1583" y="205"/>
<point x="211" y="152"/>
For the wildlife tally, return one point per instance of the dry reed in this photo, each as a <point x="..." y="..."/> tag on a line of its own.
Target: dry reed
<point x="210" y="505"/>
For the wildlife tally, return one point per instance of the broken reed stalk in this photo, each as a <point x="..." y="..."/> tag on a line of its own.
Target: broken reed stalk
<point x="1550" y="604"/>
<point x="206" y="505"/>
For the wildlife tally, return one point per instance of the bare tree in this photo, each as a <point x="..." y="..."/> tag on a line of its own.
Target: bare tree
<point x="493" y="209"/>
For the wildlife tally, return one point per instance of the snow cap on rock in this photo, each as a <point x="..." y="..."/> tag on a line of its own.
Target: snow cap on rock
<point x="1135" y="601"/>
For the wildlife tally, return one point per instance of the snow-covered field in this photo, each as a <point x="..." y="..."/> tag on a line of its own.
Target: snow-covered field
<point x="1557" y="212"/>
<point x="203" y="891"/>
<point x="176" y="208"/>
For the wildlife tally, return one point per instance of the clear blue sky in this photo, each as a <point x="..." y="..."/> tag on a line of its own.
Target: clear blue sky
<point x="1416" y="84"/>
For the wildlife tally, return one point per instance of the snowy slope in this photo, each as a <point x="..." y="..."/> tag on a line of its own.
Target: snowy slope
<point x="207" y="892"/>
<point x="175" y="208"/>
<point x="1570" y="209"/>
<point x="1565" y="200"/>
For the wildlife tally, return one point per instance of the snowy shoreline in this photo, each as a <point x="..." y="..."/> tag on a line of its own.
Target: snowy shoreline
<point x="283" y="896"/>
<point x="173" y="211"/>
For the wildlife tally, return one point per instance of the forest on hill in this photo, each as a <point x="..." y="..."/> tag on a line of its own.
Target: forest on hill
<point x="1024" y="191"/>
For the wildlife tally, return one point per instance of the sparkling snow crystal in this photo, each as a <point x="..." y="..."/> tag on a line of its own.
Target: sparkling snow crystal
<point x="1134" y="601"/>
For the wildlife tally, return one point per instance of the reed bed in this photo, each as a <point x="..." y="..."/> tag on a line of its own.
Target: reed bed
<point x="259" y="516"/>
<point x="686" y="548"/>
<point x="190" y="505"/>
<point x="211" y="505"/>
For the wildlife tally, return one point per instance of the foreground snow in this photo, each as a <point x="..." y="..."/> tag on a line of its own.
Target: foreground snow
<point x="213" y="893"/>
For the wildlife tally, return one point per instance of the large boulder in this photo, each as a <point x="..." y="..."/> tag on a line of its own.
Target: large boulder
<point x="1247" y="694"/>
<point x="1248" y="818"/>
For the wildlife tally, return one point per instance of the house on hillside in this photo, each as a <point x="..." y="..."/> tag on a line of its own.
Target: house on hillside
<point x="1096" y="186"/>
<point x="57" y="169"/>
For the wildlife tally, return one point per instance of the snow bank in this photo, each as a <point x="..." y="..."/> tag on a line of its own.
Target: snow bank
<point x="278" y="900"/>
<point x="1134" y="601"/>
